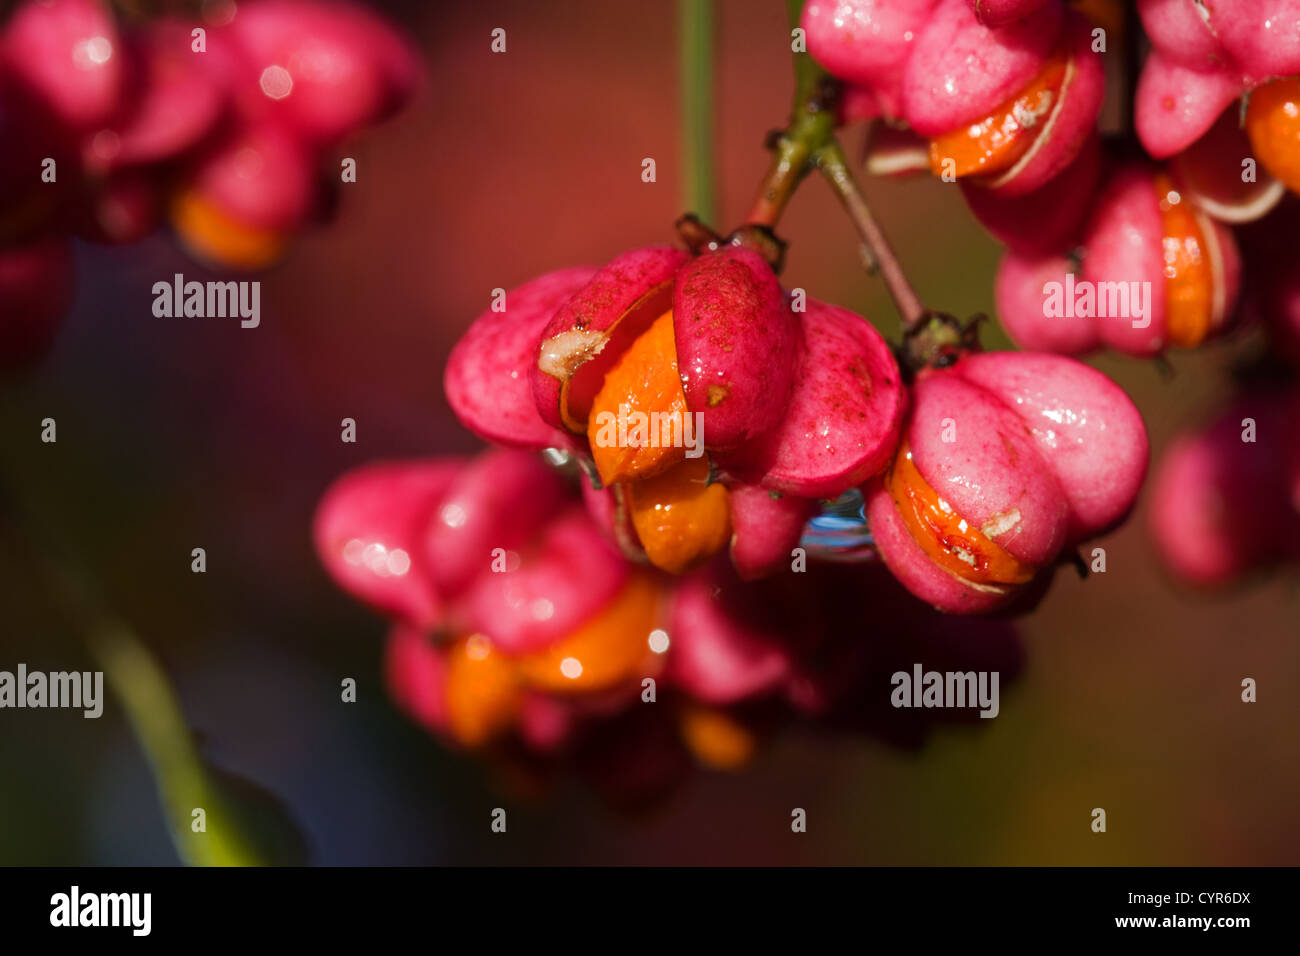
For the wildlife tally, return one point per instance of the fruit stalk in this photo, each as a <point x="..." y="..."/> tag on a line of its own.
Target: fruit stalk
<point x="834" y="166"/>
<point x="811" y="126"/>
<point x="809" y="142"/>
<point x="695" y="62"/>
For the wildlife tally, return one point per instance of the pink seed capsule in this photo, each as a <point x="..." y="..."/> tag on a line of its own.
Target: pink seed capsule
<point x="1261" y="36"/>
<point x="1203" y="57"/>
<point x="735" y="336"/>
<point x="495" y="504"/>
<point x="766" y="528"/>
<point x="240" y="203"/>
<point x="1179" y="268"/>
<point x="1045" y="219"/>
<point x="547" y="589"/>
<point x="68" y="55"/>
<point x="321" y="69"/>
<point x="721" y="651"/>
<point x="1222" y="506"/>
<point x="261" y="178"/>
<point x="1083" y="425"/>
<point x="175" y="99"/>
<point x="369" y="530"/>
<point x="1069" y="122"/>
<point x="1176" y="104"/>
<point x="489" y="373"/>
<point x="1180" y="29"/>
<point x="1249" y="39"/>
<point x="1023" y="289"/>
<point x="1007" y="459"/>
<point x="866" y="42"/>
<point x="961" y="70"/>
<point x="592" y="329"/>
<point x="842" y="423"/>
<point x="415" y="670"/>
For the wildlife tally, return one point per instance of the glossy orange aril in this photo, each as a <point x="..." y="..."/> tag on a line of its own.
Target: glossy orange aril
<point x="1189" y="278"/>
<point x="482" y="691"/>
<point x="996" y="142"/>
<point x="949" y="540"/>
<point x="639" y="430"/>
<point x="1273" y="125"/>
<point x="716" y="738"/>
<point x="216" y="237"/>
<point x="611" y="648"/>
<point x="680" y="518"/>
<point x="635" y="422"/>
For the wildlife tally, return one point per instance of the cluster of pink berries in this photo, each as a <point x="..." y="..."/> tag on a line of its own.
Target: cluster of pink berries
<point x="1166" y="235"/>
<point x="1225" y="501"/>
<point x="1004" y="98"/>
<point x="520" y="607"/>
<point x="218" y="126"/>
<point x="518" y="628"/>
<point x="1226" y="496"/>
<point x="711" y="414"/>
<point x="1004" y="462"/>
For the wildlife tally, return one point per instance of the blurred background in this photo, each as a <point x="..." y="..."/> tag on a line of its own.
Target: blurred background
<point x="183" y="433"/>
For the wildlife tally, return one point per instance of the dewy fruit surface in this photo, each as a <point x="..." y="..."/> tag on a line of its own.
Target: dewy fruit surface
<point x="680" y="518"/>
<point x="642" y="382"/>
<point x="482" y="690"/>
<point x="1009" y="458"/>
<point x="1273" y="124"/>
<point x="948" y="538"/>
<point x="997" y="141"/>
<point x="736" y="342"/>
<point x="608" y="650"/>
<point x="1189" y="280"/>
<point x="593" y="328"/>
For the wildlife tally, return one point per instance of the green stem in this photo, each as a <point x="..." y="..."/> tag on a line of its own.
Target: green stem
<point x="807" y="74"/>
<point x="808" y="142"/>
<point x="811" y="126"/>
<point x="151" y="708"/>
<point x="156" y="719"/>
<point x="695" y="60"/>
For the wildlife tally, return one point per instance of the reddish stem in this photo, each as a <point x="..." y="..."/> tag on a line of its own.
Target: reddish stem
<point x="834" y="166"/>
